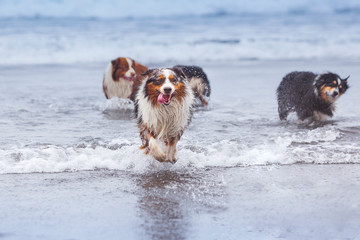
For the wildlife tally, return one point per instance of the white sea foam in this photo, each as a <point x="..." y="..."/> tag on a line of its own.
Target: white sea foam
<point x="117" y="104"/>
<point x="316" y="146"/>
<point x="66" y="48"/>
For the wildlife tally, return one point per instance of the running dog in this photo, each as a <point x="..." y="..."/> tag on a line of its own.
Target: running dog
<point x="164" y="107"/>
<point x="310" y="95"/>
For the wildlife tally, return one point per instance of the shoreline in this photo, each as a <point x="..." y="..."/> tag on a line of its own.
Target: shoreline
<point x="257" y="202"/>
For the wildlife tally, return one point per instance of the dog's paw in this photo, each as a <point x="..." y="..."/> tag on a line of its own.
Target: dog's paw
<point x="173" y="161"/>
<point x="160" y="157"/>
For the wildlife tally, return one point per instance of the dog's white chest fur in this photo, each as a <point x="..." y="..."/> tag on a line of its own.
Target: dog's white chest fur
<point x="318" y="116"/>
<point x="166" y="121"/>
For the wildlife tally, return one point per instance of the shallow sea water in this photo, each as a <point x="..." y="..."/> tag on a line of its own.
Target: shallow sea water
<point x="71" y="167"/>
<point x="70" y="164"/>
<point x="257" y="202"/>
<point x="55" y="119"/>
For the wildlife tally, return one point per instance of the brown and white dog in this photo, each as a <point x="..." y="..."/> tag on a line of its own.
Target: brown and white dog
<point x="122" y="77"/>
<point x="163" y="108"/>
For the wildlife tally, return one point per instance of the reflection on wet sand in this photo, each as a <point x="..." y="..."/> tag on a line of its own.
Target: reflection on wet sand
<point x="169" y="202"/>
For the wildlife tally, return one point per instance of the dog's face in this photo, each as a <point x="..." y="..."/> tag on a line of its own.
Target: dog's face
<point x="330" y="86"/>
<point x="163" y="85"/>
<point x="126" y="68"/>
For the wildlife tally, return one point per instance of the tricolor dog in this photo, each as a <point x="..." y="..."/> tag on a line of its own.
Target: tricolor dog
<point x="310" y="95"/>
<point x="164" y="107"/>
<point x="198" y="81"/>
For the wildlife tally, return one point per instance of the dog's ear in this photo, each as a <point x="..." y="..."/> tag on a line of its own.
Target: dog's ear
<point x="139" y="69"/>
<point x="148" y="72"/>
<point x="319" y="80"/>
<point x="345" y="83"/>
<point x="115" y="65"/>
<point x="115" y="62"/>
<point x="179" y="72"/>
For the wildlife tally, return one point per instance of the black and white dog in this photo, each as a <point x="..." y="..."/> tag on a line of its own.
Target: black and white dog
<point x="199" y="82"/>
<point x="310" y="95"/>
<point x="164" y="107"/>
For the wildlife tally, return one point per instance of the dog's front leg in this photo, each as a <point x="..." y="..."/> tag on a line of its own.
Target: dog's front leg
<point x="156" y="151"/>
<point x="171" y="150"/>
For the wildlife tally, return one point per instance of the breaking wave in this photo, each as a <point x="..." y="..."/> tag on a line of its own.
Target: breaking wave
<point x="64" y="32"/>
<point x="318" y="146"/>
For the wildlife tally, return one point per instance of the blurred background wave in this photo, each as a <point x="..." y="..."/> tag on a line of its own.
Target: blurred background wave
<point x="189" y="31"/>
<point x="162" y="8"/>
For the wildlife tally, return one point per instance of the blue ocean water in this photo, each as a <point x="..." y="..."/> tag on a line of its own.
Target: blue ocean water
<point x="162" y="8"/>
<point x="42" y="32"/>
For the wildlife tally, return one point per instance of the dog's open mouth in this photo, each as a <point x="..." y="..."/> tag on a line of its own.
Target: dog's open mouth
<point x="164" y="99"/>
<point x="128" y="78"/>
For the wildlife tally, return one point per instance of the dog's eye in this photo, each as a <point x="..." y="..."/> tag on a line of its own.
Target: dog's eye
<point x="158" y="81"/>
<point x="174" y="80"/>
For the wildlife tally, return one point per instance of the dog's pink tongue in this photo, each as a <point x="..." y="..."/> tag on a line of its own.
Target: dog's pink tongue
<point x="161" y="99"/>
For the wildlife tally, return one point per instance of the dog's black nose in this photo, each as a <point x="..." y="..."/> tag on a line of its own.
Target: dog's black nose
<point x="335" y="94"/>
<point x="167" y="90"/>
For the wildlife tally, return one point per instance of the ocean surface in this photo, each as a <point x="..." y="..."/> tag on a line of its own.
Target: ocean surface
<point x="70" y="164"/>
<point x="66" y="32"/>
<point x="55" y="118"/>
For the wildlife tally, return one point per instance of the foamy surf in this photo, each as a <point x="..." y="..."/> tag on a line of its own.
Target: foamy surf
<point x="316" y="146"/>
